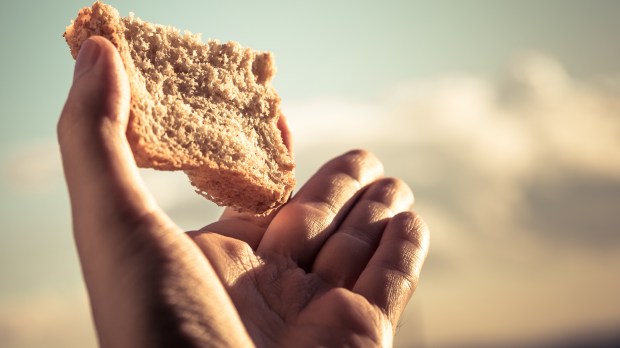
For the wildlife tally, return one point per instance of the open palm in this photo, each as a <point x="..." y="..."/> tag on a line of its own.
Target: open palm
<point x="333" y="267"/>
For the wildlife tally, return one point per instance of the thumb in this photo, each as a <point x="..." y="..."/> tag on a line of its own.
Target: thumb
<point x="103" y="180"/>
<point x="142" y="275"/>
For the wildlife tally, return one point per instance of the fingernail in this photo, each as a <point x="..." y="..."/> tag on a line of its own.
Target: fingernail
<point x="86" y="59"/>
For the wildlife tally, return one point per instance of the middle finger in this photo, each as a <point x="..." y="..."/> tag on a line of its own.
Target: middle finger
<point x="302" y="226"/>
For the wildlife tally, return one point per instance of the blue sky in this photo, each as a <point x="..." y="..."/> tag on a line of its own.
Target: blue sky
<point x="502" y="115"/>
<point x="355" y="49"/>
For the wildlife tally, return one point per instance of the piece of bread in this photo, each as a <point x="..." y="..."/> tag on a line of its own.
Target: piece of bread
<point x="206" y="108"/>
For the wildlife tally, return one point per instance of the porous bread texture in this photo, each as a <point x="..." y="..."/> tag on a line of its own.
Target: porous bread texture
<point x="206" y="108"/>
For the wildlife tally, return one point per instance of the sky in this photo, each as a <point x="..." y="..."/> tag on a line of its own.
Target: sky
<point x="504" y="118"/>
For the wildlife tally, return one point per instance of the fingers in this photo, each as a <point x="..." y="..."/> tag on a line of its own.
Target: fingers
<point x="302" y="225"/>
<point x="105" y="188"/>
<point x="247" y="227"/>
<point x="242" y="226"/>
<point x="391" y="276"/>
<point x="136" y="263"/>
<point x="348" y="250"/>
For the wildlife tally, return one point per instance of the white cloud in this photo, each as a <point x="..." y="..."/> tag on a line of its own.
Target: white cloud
<point x="517" y="176"/>
<point x="484" y="139"/>
<point x="536" y="113"/>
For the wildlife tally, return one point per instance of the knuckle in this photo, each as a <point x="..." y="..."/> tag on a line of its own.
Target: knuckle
<point x="360" y="158"/>
<point x="394" y="185"/>
<point x="72" y="118"/>
<point x="413" y="227"/>
<point x="363" y="236"/>
<point x="359" y="164"/>
<point x="392" y="182"/>
<point x="394" y="189"/>
<point x="361" y="153"/>
<point x="61" y="125"/>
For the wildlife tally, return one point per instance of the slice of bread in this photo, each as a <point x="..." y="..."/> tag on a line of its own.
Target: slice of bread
<point x="206" y="108"/>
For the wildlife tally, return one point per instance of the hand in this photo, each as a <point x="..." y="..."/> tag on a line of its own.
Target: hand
<point x="335" y="266"/>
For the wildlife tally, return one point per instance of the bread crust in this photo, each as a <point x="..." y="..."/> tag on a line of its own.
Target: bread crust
<point x="256" y="191"/>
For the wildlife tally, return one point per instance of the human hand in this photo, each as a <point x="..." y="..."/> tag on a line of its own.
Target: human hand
<point x="335" y="266"/>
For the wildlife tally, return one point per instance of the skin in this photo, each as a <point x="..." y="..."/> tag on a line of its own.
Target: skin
<point x="333" y="267"/>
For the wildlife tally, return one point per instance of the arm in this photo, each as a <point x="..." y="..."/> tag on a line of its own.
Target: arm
<point x="334" y="266"/>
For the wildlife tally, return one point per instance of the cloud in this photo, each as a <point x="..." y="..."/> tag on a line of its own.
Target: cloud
<point x="475" y="144"/>
<point x="518" y="177"/>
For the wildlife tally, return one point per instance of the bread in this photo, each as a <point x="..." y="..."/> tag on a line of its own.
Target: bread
<point x="208" y="109"/>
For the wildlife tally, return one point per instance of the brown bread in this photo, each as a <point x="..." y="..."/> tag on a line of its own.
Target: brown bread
<point x="206" y="108"/>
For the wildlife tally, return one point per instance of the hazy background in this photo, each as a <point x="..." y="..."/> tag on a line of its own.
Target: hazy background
<point x="503" y="116"/>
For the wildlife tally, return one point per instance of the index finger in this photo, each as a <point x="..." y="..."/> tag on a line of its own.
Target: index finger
<point x="315" y="212"/>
